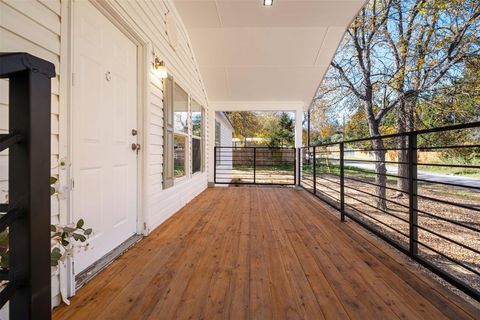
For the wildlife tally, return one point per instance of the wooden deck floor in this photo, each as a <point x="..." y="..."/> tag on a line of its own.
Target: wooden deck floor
<point x="261" y="253"/>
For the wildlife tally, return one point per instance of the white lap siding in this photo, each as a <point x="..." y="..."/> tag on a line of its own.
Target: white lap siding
<point x="149" y="19"/>
<point x="33" y="27"/>
<point x="226" y="136"/>
<point x="41" y="28"/>
<point x="224" y="159"/>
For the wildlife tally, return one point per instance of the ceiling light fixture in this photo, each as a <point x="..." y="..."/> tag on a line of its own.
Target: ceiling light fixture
<point x="268" y="3"/>
<point x="160" y="69"/>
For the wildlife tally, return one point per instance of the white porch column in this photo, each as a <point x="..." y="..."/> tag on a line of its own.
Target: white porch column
<point x="210" y="144"/>
<point x="298" y="135"/>
<point x="298" y="127"/>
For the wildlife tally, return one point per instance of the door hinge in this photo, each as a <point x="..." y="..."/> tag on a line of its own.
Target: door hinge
<point x="73" y="79"/>
<point x="72" y="183"/>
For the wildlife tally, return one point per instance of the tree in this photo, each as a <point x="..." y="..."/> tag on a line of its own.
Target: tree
<point x="394" y="54"/>
<point x="430" y="41"/>
<point x="353" y="77"/>
<point x="283" y="134"/>
<point x="459" y="103"/>
<point x="246" y="124"/>
<point x="269" y="125"/>
<point x="323" y="123"/>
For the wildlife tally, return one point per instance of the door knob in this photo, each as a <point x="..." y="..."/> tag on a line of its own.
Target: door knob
<point x="135" y="146"/>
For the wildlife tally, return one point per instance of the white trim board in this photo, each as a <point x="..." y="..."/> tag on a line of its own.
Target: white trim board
<point x="142" y="96"/>
<point x="257" y="105"/>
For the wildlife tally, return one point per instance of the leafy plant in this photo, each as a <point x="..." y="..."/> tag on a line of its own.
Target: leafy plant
<point x="64" y="238"/>
<point x="4" y="258"/>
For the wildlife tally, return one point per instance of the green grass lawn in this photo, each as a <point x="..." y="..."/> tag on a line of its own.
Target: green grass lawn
<point x="467" y="172"/>
<point x="273" y="167"/>
<point x="352" y="171"/>
<point x="335" y="169"/>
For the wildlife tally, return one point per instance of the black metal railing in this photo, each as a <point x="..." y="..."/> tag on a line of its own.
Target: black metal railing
<point x="255" y="165"/>
<point x="418" y="191"/>
<point x="27" y="214"/>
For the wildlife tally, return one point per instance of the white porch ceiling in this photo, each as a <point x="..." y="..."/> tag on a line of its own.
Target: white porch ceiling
<point x="250" y="53"/>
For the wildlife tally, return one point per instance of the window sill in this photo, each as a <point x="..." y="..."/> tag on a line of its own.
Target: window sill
<point x="179" y="179"/>
<point x="198" y="173"/>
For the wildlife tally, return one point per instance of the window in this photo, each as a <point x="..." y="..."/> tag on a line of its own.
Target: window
<point x="197" y="136"/>
<point x="179" y="152"/>
<point x="197" y="155"/>
<point x="180" y="110"/>
<point x="184" y="121"/>
<point x="197" y="119"/>
<point x="168" y="134"/>
<point x="180" y="137"/>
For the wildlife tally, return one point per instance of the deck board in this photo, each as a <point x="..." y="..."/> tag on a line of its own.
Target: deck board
<point x="261" y="253"/>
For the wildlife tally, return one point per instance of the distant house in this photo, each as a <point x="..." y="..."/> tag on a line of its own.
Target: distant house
<point x="223" y="130"/>
<point x="224" y="143"/>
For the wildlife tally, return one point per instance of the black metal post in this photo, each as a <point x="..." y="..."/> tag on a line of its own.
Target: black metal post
<point x="412" y="162"/>
<point x="294" y="166"/>
<point x="314" y="162"/>
<point x="29" y="189"/>
<point x="254" y="165"/>
<point x="412" y="193"/>
<point x="308" y="129"/>
<point x="299" y="167"/>
<point x="215" y="164"/>
<point x="342" y="182"/>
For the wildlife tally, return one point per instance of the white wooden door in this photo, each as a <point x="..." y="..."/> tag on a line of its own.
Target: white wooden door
<point x="104" y="114"/>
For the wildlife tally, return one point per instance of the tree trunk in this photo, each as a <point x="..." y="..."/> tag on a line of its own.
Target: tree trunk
<point x="380" y="170"/>
<point x="402" y="183"/>
<point x="380" y="167"/>
<point x="402" y="144"/>
<point x="406" y="123"/>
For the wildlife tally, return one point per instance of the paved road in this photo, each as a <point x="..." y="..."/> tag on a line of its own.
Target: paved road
<point x="463" y="181"/>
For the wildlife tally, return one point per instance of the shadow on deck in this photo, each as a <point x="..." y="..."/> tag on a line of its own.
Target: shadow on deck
<point x="262" y="253"/>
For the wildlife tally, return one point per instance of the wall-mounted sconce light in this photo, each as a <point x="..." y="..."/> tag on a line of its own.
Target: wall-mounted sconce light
<point x="159" y="69"/>
<point x="268" y="3"/>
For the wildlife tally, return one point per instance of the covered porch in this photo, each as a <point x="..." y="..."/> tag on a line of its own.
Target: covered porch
<point x="262" y="253"/>
<point x="234" y="252"/>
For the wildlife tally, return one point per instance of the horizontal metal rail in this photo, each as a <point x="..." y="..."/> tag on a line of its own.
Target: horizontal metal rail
<point x="373" y="184"/>
<point x="255" y="165"/>
<point x="335" y="182"/>
<point x="7" y="292"/>
<point x="375" y="219"/>
<point x="459" y="224"/>
<point x="376" y="208"/>
<point x="462" y="126"/>
<point x="447" y="184"/>
<point x="8" y="140"/>
<point x="327" y="187"/>
<point x="7" y="219"/>
<point x="408" y="214"/>
<point x="379" y="197"/>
